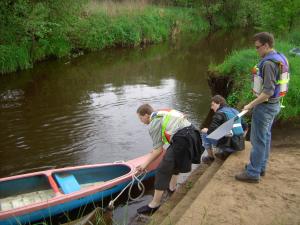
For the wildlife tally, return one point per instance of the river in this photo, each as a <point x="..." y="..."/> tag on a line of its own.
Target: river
<point x="82" y="110"/>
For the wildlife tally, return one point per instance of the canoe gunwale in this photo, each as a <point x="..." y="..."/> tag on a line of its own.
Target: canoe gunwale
<point x="59" y="197"/>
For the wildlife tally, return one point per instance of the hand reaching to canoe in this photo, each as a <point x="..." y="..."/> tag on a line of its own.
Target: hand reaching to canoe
<point x="152" y="156"/>
<point x="141" y="168"/>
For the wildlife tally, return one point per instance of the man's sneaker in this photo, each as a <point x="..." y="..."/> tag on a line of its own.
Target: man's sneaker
<point x="262" y="173"/>
<point x="244" y="177"/>
<point x="208" y="159"/>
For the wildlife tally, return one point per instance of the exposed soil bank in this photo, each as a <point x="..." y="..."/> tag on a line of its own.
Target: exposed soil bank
<point x="217" y="198"/>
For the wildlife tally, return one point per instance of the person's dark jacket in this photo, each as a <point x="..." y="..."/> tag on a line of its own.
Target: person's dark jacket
<point x="236" y="143"/>
<point x="188" y="148"/>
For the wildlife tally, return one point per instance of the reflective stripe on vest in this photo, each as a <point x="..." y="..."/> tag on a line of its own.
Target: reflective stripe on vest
<point x="170" y="118"/>
<point x="237" y="128"/>
<point x="164" y="127"/>
<point x="282" y="79"/>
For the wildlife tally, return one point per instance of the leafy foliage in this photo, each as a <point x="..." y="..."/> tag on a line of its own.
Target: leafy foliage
<point x="278" y="16"/>
<point x="273" y="15"/>
<point x="229" y="13"/>
<point x="12" y="56"/>
<point x="34" y="30"/>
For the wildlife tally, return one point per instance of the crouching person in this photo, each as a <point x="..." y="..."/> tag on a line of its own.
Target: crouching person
<point x="169" y="127"/>
<point x="231" y="142"/>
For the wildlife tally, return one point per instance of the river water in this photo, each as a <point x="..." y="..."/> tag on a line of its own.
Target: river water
<point x="83" y="110"/>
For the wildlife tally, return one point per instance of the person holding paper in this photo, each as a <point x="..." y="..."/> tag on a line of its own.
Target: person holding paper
<point x="233" y="141"/>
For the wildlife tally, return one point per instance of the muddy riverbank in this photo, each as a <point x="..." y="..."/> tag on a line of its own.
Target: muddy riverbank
<point x="212" y="196"/>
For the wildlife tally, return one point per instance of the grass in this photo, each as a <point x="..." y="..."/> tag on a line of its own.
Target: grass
<point x="112" y="9"/>
<point x="238" y="65"/>
<point x="43" y="30"/>
<point x="90" y="213"/>
<point x="13" y="56"/>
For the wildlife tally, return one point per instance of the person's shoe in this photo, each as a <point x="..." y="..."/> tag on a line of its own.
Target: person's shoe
<point x="208" y="159"/>
<point x="222" y="155"/>
<point x="146" y="209"/>
<point x="170" y="192"/>
<point x="244" y="177"/>
<point x="262" y="173"/>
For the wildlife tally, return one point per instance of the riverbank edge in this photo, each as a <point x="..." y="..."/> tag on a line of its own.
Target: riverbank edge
<point x="97" y="31"/>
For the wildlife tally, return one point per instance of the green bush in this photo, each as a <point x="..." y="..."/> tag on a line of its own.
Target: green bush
<point x="294" y="37"/>
<point x="12" y="57"/>
<point x="92" y="33"/>
<point x="151" y="32"/>
<point x="126" y="31"/>
<point x="278" y="16"/>
<point x="34" y="30"/>
<point x="188" y="20"/>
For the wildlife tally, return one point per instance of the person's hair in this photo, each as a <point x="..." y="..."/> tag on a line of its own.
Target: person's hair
<point x="265" y="37"/>
<point x="145" y="109"/>
<point x="219" y="100"/>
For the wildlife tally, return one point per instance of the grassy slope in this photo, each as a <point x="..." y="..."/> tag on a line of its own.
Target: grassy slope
<point x="48" y="31"/>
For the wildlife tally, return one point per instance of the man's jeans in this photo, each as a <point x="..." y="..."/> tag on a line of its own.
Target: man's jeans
<point x="262" y="119"/>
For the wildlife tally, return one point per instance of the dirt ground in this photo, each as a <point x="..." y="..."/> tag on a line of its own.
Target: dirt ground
<point x="211" y="195"/>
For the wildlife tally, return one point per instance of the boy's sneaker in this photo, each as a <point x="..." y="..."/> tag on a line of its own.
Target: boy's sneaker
<point x="170" y="192"/>
<point x="222" y="155"/>
<point x="147" y="210"/>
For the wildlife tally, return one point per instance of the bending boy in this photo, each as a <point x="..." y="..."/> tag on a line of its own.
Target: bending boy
<point x="169" y="127"/>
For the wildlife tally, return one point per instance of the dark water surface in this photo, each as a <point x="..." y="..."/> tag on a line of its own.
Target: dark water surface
<point x="82" y="111"/>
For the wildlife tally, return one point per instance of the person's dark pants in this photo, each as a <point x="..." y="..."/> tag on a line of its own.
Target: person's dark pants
<point x="185" y="149"/>
<point x="165" y="170"/>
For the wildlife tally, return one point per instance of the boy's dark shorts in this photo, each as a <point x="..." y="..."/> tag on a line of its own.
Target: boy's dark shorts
<point x="165" y="170"/>
<point x="185" y="149"/>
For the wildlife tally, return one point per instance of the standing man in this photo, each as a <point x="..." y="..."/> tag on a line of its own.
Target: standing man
<point x="169" y="127"/>
<point x="270" y="80"/>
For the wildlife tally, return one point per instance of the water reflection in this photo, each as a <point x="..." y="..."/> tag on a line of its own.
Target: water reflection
<point x="83" y="111"/>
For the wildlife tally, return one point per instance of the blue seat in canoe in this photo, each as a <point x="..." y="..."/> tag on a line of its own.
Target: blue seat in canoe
<point x="67" y="183"/>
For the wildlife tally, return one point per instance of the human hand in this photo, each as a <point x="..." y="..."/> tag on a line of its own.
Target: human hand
<point x="141" y="168"/>
<point x="204" y="130"/>
<point x="245" y="133"/>
<point x="248" y="107"/>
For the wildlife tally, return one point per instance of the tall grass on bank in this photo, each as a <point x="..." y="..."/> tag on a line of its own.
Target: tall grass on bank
<point x="238" y="65"/>
<point x="55" y="28"/>
<point x="113" y="8"/>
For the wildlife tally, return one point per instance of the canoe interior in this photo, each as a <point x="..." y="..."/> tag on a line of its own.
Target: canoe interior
<point x="25" y="191"/>
<point x="74" y="180"/>
<point x="96" y="174"/>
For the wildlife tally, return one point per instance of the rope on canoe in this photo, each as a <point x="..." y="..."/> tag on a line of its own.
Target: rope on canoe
<point x="134" y="178"/>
